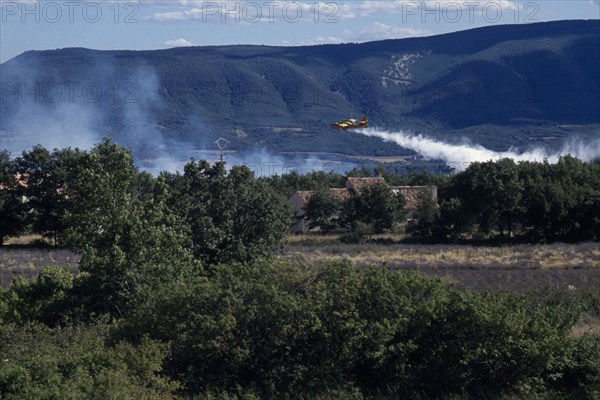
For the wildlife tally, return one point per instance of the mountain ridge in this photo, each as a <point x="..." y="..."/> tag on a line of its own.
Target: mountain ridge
<point x="499" y="86"/>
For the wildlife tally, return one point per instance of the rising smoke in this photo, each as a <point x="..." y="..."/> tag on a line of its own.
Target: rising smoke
<point x="263" y="163"/>
<point x="460" y="155"/>
<point x="48" y="126"/>
<point x="41" y="108"/>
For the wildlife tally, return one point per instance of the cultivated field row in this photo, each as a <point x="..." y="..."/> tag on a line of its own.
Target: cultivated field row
<point x="518" y="267"/>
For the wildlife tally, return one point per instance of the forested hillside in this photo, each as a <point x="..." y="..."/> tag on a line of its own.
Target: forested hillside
<point x="500" y="86"/>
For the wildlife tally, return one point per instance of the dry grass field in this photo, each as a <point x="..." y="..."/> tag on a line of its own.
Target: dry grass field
<point x="28" y="261"/>
<point x="513" y="268"/>
<point x="516" y="267"/>
<point x="28" y="240"/>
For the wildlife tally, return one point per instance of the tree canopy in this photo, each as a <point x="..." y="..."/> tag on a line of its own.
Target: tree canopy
<point x="377" y="206"/>
<point x="178" y="295"/>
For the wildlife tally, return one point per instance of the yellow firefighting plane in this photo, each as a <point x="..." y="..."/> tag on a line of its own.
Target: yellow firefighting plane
<point x="351" y="123"/>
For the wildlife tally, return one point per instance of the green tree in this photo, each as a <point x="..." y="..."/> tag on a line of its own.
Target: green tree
<point x="454" y="221"/>
<point x="561" y="200"/>
<point x="101" y="197"/>
<point x="427" y="214"/>
<point x="490" y="194"/>
<point x="322" y="211"/>
<point x="230" y="216"/>
<point x="46" y="175"/>
<point x="12" y="208"/>
<point x="377" y="206"/>
<point x="127" y="236"/>
<point x="508" y="192"/>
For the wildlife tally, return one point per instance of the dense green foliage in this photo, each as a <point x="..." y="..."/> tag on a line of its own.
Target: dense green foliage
<point x="426" y="217"/>
<point x="495" y="200"/>
<point x="322" y="210"/>
<point x="499" y="201"/>
<point x="539" y="201"/>
<point x="377" y="206"/>
<point x="503" y="200"/>
<point x="11" y="202"/>
<point x="231" y="215"/>
<point x="76" y="362"/>
<point x="47" y="174"/>
<point x="376" y="210"/>
<point x="287" y="184"/>
<point x="177" y="296"/>
<point x="273" y="330"/>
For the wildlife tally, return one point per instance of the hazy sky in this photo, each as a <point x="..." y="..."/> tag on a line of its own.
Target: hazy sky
<point x="149" y="24"/>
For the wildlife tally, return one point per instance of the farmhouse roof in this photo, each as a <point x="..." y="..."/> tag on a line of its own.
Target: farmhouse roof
<point x="412" y="194"/>
<point x="357" y="185"/>
<point x="338" y="194"/>
<point x="305" y="195"/>
<point x="354" y="186"/>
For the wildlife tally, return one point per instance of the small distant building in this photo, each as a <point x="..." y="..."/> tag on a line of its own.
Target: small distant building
<point x="301" y="198"/>
<point x="299" y="201"/>
<point x="413" y="196"/>
<point x="355" y="187"/>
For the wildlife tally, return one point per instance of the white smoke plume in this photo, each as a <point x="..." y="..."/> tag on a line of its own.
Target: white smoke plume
<point x="260" y="161"/>
<point x="47" y="110"/>
<point x="460" y="155"/>
<point x="264" y="163"/>
<point x="123" y="104"/>
<point x="49" y="127"/>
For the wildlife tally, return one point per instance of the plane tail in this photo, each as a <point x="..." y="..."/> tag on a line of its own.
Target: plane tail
<point x="364" y="120"/>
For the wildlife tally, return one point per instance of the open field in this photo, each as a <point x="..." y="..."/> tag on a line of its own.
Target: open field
<point x="28" y="240"/>
<point x="517" y="267"/>
<point x="28" y="261"/>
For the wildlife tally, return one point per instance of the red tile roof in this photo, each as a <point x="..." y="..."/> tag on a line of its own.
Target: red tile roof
<point x="338" y="194"/>
<point x="358" y="184"/>
<point x="412" y="194"/>
<point x="305" y="195"/>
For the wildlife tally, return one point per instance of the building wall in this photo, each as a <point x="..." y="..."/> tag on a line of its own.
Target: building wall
<point x="301" y="226"/>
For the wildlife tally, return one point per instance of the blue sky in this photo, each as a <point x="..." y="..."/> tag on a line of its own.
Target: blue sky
<point x="149" y="24"/>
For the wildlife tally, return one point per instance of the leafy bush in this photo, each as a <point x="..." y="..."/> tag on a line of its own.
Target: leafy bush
<point x="230" y="216"/>
<point x="278" y="330"/>
<point x="75" y="362"/>
<point x="178" y="296"/>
